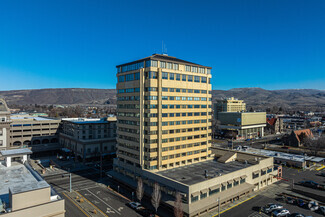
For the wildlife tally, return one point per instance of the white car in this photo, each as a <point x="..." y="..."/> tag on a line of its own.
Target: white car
<point x="271" y="207"/>
<point x="281" y="212"/>
<point x="135" y="205"/>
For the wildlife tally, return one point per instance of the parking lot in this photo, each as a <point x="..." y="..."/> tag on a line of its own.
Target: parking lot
<point x="272" y="195"/>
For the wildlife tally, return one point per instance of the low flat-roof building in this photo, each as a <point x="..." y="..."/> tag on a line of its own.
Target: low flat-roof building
<point x="230" y="176"/>
<point x="242" y="125"/>
<point x="89" y="138"/>
<point x="23" y="192"/>
<point x="38" y="133"/>
<point x="4" y="124"/>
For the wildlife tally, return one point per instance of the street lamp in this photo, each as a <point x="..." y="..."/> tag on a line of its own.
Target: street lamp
<point x="218" y="200"/>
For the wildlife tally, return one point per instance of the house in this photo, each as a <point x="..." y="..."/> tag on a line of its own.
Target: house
<point x="274" y="125"/>
<point x="297" y="136"/>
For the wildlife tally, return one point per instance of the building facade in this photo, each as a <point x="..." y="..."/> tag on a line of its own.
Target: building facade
<point x="4" y="124"/>
<point x="23" y="192"/>
<point x="163" y="113"/>
<point x="38" y="133"/>
<point x="89" y="138"/>
<point x="228" y="105"/>
<point x="242" y="125"/>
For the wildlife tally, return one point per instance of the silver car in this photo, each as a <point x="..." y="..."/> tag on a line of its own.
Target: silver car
<point x="271" y="207"/>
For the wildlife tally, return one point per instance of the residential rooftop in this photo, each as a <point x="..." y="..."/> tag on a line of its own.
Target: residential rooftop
<point x="195" y="173"/>
<point x="18" y="178"/>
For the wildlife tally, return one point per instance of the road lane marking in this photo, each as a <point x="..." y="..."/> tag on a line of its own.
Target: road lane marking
<point x="76" y="204"/>
<point x="92" y="204"/>
<point x="104" y="202"/>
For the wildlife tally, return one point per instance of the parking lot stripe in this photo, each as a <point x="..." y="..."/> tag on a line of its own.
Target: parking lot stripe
<point x="235" y="205"/>
<point x="76" y="204"/>
<point x="92" y="204"/>
<point x="104" y="202"/>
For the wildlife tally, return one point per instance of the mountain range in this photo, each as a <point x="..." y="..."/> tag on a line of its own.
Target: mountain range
<point x="259" y="99"/>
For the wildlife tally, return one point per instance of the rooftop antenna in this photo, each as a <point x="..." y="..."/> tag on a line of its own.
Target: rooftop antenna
<point x="163" y="49"/>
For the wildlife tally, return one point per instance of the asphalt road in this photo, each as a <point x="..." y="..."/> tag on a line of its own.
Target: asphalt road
<point x="108" y="202"/>
<point x="71" y="209"/>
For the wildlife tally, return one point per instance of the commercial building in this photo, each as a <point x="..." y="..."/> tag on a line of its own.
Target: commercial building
<point x="163" y="113"/>
<point x="4" y="124"/>
<point x="38" y="133"/>
<point x="23" y="192"/>
<point x="228" y="105"/>
<point x="275" y="125"/>
<point x="88" y="138"/>
<point x="164" y="137"/>
<point x="242" y="125"/>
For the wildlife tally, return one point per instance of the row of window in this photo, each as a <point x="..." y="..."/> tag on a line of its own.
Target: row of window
<point x="172" y="106"/>
<point x="171" y="123"/>
<point x="129" y="77"/>
<point x="154" y="115"/>
<point x="178" y="163"/>
<point x="177" y="147"/>
<point x="184" y="130"/>
<point x="184" y="154"/>
<point x="263" y="172"/>
<point x="217" y="190"/>
<point x="178" y="98"/>
<point x="179" y="90"/>
<point x="129" y="90"/>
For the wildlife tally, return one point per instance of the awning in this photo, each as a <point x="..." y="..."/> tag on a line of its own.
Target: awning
<point x="224" y="183"/>
<point x="264" y="169"/>
<point x="237" y="179"/>
<point x="229" y="182"/>
<point x="204" y="191"/>
<point x="214" y="187"/>
<point x="243" y="177"/>
<point x="256" y="172"/>
<point x="269" y="168"/>
<point x="195" y="194"/>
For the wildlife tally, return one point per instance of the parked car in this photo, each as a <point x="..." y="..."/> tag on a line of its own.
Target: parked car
<point x="271" y="207"/>
<point x="135" y="205"/>
<point x="301" y="203"/>
<point x="321" y="174"/>
<point x="291" y="200"/>
<point x="322" y="209"/>
<point x="281" y="212"/>
<point x="146" y="213"/>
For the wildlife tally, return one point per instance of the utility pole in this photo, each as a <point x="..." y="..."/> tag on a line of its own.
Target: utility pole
<point x="70" y="177"/>
<point x="218" y="206"/>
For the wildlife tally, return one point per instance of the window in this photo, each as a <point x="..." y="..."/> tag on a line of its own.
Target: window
<point x="190" y="90"/>
<point x="121" y="78"/>
<point x="171" y="98"/>
<point x="164" y="89"/>
<point x="187" y="68"/>
<point x="201" y="70"/>
<point x="164" y="97"/>
<point x="171" y="90"/>
<point x="190" y="78"/>
<point x="255" y="175"/>
<point x="183" y="77"/>
<point x="215" y="191"/>
<point x="203" y="195"/>
<point x="203" y="80"/>
<point x="194" y="69"/>
<point x="178" y="77"/>
<point x="183" y="90"/>
<point x="175" y="66"/>
<point x="197" y="79"/>
<point x="129" y="77"/>
<point x="223" y="187"/>
<point x="165" y="75"/>
<point x="151" y="63"/>
<point x="169" y="66"/>
<point x="236" y="183"/>
<point x="242" y="181"/>
<point x="178" y="98"/>
<point x="269" y="170"/>
<point x="171" y="76"/>
<point x="137" y="76"/>
<point x="153" y="75"/>
<point x="194" y="199"/>
<point x="162" y="64"/>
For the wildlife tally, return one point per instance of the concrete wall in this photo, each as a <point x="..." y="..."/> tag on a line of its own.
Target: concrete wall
<point x="29" y="198"/>
<point x="242" y="119"/>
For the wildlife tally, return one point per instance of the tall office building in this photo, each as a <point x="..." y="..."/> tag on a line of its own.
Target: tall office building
<point x="228" y="105"/>
<point x="4" y="124"/>
<point x="163" y="113"/>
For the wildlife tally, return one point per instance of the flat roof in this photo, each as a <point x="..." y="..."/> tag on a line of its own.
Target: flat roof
<point x="19" y="151"/>
<point x="19" y="179"/>
<point x="90" y="120"/>
<point x="31" y="118"/>
<point x="195" y="173"/>
<point x="285" y="156"/>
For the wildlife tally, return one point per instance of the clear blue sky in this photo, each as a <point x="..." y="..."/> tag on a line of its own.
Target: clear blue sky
<point x="272" y="44"/>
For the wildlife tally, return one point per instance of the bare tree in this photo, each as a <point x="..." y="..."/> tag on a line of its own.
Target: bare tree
<point x="178" y="208"/>
<point x="156" y="196"/>
<point x="315" y="145"/>
<point x="140" y="189"/>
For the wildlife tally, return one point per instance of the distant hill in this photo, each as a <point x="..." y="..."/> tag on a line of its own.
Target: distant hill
<point x="306" y="99"/>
